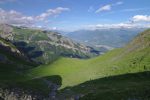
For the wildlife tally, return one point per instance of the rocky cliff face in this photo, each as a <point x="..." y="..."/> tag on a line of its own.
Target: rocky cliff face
<point x="19" y="94"/>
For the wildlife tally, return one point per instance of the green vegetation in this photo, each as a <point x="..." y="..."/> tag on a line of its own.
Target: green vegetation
<point x="107" y="75"/>
<point x="6" y="43"/>
<point x="26" y="34"/>
<point x="135" y="57"/>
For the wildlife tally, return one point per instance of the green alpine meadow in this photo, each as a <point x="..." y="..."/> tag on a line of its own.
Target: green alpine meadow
<point x="74" y="50"/>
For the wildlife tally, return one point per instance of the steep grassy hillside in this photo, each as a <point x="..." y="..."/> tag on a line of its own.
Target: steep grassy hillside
<point x="135" y="57"/>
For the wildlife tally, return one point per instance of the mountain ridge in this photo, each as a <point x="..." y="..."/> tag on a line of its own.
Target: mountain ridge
<point x="43" y="46"/>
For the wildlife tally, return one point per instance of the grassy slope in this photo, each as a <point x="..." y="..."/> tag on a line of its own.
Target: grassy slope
<point x="72" y="71"/>
<point x="135" y="57"/>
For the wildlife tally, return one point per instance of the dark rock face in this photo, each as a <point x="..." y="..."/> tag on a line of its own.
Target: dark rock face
<point x="1" y="98"/>
<point x="19" y="94"/>
<point x="15" y="92"/>
<point x="54" y="87"/>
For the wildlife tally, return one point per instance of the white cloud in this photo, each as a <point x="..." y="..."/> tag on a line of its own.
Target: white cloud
<point x="14" y="17"/>
<point x="137" y="21"/>
<point x="104" y="8"/>
<point x="141" y="18"/>
<point x="53" y="28"/>
<point x="119" y="3"/>
<point x="17" y="18"/>
<point x="52" y="12"/>
<point x="117" y="25"/>
<point x="108" y="7"/>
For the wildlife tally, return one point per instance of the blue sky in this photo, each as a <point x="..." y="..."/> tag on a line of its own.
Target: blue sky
<point x="76" y="14"/>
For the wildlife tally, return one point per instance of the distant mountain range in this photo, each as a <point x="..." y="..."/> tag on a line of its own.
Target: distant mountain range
<point x="106" y="38"/>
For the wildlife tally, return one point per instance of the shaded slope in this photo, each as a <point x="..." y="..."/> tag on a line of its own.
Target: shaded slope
<point x="123" y="87"/>
<point x="14" y="85"/>
<point x="12" y="61"/>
